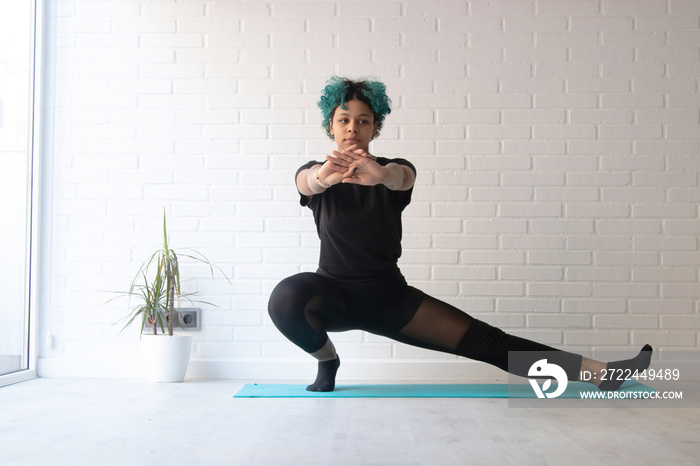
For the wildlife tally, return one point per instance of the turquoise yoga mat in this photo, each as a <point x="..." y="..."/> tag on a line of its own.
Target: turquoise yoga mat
<point x="422" y="391"/>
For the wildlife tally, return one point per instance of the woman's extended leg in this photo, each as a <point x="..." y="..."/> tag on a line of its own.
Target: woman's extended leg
<point x="440" y="326"/>
<point x="304" y="307"/>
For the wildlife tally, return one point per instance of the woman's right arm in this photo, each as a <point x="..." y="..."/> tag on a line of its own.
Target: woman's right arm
<point x="320" y="177"/>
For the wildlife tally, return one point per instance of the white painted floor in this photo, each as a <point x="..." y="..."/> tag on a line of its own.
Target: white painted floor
<point x="133" y="422"/>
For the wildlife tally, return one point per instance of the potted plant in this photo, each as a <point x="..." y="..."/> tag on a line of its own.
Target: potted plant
<point x="166" y="355"/>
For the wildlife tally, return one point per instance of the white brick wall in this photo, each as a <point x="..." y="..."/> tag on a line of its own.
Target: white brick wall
<point x="557" y="144"/>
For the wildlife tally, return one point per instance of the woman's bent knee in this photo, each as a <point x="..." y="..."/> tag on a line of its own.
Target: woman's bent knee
<point x="289" y="297"/>
<point x="287" y="308"/>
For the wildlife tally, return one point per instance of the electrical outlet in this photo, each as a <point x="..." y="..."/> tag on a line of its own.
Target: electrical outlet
<point x="189" y="318"/>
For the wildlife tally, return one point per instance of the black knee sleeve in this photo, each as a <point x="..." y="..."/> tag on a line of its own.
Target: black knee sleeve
<point x="486" y="343"/>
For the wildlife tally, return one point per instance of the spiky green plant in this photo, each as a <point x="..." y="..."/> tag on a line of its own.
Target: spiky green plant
<point x="158" y="297"/>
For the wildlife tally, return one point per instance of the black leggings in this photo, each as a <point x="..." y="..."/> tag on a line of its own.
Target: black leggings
<point x="307" y="305"/>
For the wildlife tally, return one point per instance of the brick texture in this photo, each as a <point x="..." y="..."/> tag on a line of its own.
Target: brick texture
<point x="557" y="147"/>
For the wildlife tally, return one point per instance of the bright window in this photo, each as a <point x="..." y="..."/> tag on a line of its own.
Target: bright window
<point x="17" y="57"/>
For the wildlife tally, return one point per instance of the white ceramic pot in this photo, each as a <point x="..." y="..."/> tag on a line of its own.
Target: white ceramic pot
<point x="165" y="357"/>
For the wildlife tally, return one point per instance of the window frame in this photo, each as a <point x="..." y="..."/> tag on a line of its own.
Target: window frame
<point x="34" y="146"/>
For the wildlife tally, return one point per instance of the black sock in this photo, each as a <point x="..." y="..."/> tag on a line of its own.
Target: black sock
<point x="325" y="379"/>
<point x="619" y="369"/>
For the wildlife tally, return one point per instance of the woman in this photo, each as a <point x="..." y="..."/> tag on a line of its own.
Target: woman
<point x="357" y="200"/>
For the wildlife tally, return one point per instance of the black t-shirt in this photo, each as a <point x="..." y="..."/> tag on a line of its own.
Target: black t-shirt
<point x="359" y="226"/>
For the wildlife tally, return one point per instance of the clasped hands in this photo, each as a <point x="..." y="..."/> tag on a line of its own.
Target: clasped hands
<point x="351" y="165"/>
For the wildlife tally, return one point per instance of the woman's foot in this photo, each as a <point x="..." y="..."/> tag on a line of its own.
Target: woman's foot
<point x="325" y="379"/>
<point x="617" y="371"/>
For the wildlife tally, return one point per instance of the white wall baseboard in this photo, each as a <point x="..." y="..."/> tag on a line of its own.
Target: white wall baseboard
<point x="460" y="370"/>
<point x="380" y="371"/>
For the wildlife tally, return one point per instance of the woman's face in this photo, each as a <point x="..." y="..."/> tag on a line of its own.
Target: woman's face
<point x="353" y="125"/>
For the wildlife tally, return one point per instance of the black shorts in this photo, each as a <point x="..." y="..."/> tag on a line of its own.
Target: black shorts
<point x="383" y="304"/>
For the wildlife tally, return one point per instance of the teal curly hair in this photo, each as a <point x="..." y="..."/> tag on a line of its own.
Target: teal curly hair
<point x="340" y="90"/>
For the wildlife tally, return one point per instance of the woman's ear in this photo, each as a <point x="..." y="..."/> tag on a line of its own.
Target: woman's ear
<point x="330" y="125"/>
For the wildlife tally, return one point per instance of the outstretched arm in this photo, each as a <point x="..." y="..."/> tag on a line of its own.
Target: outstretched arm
<point x="354" y="166"/>
<point x="366" y="171"/>
<point x="320" y="177"/>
